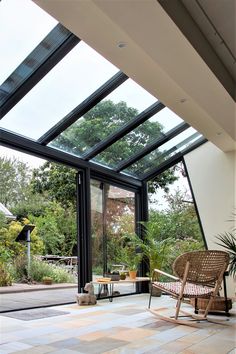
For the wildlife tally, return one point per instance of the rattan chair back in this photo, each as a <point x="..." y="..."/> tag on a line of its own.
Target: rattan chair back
<point x="205" y="266"/>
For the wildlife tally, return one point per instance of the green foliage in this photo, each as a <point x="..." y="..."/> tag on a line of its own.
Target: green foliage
<point x="5" y="276"/>
<point x="156" y="249"/>
<point x="179" y="220"/>
<point x="39" y="270"/>
<point x="57" y="229"/>
<point x="14" y="176"/>
<point x="228" y="242"/>
<point x="35" y="205"/>
<point x="56" y="182"/>
<point x="10" y="248"/>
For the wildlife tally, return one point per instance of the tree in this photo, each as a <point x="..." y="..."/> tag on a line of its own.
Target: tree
<point x="179" y="221"/>
<point x="15" y="177"/>
<point x="55" y="182"/>
<point x="101" y="121"/>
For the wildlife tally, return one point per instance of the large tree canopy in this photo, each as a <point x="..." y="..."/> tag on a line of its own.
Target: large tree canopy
<point x="95" y="126"/>
<point x="14" y="176"/>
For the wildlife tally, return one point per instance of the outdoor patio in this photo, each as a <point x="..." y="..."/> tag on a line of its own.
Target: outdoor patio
<point x="124" y="326"/>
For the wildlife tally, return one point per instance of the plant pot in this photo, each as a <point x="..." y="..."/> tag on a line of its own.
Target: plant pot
<point x="155" y="291"/>
<point x="47" y="281"/>
<point x="122" y="276"/>
<point x="132" y="274"/>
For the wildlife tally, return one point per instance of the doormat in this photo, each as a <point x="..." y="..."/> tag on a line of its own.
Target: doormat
<point x="34" y="314"/>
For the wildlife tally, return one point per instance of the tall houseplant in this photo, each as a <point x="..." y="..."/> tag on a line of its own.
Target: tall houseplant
<point x="228" y="242"/>
<point x="155" y="249"/>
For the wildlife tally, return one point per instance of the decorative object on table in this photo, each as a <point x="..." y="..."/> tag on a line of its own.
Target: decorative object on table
<point x="103" y="279"/>
<point x="115" y="276"/>
<point x="47" y="280"/>
<point x="87" y="299"/>
<point x="122" y="276"/>
<point x="133" y="263"/>
<point x="131" y="254"/>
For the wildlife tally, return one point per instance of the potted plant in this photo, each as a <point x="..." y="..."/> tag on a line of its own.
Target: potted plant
<point x="154" y="248"/>
<point x="130" y="255"/>
<point x="47" y="280"/>
<point x="132" y="261"/>
<point x="228" y="242"/>
<point x="122" y="276"/>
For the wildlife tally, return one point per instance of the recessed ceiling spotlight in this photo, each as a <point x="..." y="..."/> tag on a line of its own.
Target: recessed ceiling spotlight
<point x="122" y="45"/>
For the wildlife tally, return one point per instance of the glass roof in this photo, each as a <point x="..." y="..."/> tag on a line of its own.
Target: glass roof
<point x="74" y="78"/>
<point x="165" y="151"/>
<point x="82" y="104"/>
<point x="140" y="137"/>
<point x="93" y="128"/>
<point x="24" y="28"/>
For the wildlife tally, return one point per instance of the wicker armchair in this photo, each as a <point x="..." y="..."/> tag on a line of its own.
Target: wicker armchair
<point x="198" y="274"/>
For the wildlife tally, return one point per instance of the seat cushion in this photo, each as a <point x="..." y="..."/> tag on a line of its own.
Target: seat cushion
<point x="190" y="290"/>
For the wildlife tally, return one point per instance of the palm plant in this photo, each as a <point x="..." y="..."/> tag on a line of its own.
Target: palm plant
<point x="228" y="241"/>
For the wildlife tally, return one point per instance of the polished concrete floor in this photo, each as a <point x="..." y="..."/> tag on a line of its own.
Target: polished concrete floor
<point x="122" y="326"/>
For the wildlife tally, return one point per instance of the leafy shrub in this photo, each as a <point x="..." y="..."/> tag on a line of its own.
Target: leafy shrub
<point x="38" y="270"/>
<point x="10" y="248"/>
<point x="5" y="276"/>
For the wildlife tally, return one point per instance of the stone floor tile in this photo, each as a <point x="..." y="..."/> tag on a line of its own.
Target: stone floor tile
<point x="13" y="347"/>
<point x="214" y="345"/>
<point x="100" y="345"/>
<point x="133" y="334"/>
<point x="42" y="349"/>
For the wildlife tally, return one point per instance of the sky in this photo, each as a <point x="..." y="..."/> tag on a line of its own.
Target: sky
<point x="22" y="26"/>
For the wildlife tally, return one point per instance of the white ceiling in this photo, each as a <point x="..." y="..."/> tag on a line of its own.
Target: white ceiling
<point x="157" y="56"/>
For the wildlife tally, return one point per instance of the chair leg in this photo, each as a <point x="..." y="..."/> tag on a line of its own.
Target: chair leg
<point x="208" y="306"/>
<point x="195" y="306"/>
<point x="178" y="307"/>
<point x="150" y="297"/>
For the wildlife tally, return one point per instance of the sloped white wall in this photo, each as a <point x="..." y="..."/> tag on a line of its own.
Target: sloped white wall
<point x="213" y="178"/>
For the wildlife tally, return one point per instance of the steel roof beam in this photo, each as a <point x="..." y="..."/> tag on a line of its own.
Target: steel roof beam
<point x="31" y="147"/>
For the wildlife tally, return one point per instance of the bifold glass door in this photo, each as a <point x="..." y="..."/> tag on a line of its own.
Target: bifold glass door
<point x="112" y="217"/>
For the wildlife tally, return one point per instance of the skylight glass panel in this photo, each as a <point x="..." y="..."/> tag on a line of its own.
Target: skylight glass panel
<point x="71" y="81"/>
<point x="164" y="152"/>
<point x="36" y="59"/>
<point x="22" y="26"/>
<point x="139" y="138"/>
<point x="119" y="108"/>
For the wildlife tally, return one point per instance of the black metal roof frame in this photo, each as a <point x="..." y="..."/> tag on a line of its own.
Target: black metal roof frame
<point x="39" y="148"/>
<point x="63" y="48"/>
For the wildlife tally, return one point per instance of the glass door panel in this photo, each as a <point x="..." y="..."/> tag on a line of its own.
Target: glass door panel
<point x="113" y="217"/>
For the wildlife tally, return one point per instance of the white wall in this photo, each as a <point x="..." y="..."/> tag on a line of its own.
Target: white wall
<point x="213" y="177"/>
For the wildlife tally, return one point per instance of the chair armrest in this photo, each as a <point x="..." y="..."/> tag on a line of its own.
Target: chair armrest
<point x="164" y="273"/>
